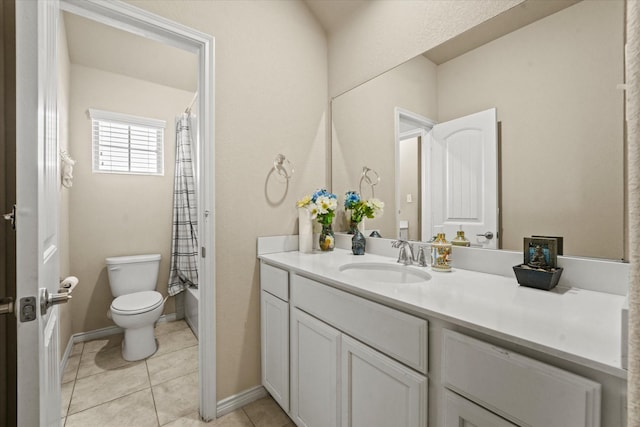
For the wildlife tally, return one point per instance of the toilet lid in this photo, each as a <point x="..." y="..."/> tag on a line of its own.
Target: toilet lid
<point x="138" y="302"/>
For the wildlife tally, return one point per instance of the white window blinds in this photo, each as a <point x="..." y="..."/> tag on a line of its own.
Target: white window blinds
<point x="127" y="144"/>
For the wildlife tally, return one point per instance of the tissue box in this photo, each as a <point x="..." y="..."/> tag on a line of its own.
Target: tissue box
<point x="545" y="280"/>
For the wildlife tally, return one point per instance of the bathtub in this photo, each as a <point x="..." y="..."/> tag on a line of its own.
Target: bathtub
<point x="191" y="298"/>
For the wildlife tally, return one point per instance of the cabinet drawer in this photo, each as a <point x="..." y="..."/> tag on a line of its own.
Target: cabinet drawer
<point x="397" y="334"/>
<point x="518" y="388"/>
<point x="275" y="281"/>
<point x="458" y="411"/>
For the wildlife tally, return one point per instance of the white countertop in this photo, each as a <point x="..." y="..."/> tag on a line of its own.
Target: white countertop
<point x="578" y="325"/>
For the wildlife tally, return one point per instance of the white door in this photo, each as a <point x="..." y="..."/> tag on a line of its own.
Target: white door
<point x="37" y="211"/>
<point x="377" y="391"/>
<point x="315" y="361"/>
<point x="462" y="190"/>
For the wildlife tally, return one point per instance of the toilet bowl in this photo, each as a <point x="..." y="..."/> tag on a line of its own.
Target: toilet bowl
<point x="137" y="306"/>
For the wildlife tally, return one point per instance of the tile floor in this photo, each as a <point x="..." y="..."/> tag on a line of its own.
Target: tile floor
<point x="99" y="388"/>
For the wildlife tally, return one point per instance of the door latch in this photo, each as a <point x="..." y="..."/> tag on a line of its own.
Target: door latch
<point x="11" y="217"/>
<point x="27" y="309"/>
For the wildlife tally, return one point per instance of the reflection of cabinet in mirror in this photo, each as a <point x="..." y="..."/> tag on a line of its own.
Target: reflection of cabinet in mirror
<point x="452" y="169"/>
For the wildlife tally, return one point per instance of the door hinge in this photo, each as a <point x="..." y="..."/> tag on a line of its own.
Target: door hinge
<point x="11" y="217"/>
<point x="203" y="251"/>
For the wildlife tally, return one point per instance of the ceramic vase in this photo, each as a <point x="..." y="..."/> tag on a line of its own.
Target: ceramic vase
<point x="305" y="231"/>
<point x="358" y="242"/>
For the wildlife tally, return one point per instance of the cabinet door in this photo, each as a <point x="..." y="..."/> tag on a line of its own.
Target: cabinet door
<point x="315" y="356"/>
<point x="378" y="391"/>
<point x="459" y="412"/>
<point x="275" y="348"/>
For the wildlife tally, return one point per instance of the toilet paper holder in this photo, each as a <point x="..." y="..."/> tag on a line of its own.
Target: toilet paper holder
<point x="68" y="284"/>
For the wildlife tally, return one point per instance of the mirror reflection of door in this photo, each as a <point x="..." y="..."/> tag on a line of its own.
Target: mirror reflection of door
<point x="463" y="179"/>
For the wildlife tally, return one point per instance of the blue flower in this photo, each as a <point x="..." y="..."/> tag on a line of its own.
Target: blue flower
<point x="351" y="199"/>
<point x="322" y="193"/>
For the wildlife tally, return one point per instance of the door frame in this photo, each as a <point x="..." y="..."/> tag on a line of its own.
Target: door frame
<point x="423" y="126"/>
<point x="8" y="324"/>
<point x="138" y="21"/>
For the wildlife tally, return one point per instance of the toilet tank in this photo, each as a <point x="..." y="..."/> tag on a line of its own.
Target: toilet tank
<point x="135" y="273"/>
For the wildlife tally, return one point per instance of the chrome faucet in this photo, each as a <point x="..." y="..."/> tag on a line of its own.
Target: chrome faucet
<point x="404" y="257"/>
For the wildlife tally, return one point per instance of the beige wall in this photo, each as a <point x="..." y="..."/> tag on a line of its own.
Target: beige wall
<point x="271" y="97"/>
<point x="63" y="142"/>
<point x="562" y="124"/>
<point x="364" y="132"/>
<point x="385" y="33"/>
<point x="115" y="214"/>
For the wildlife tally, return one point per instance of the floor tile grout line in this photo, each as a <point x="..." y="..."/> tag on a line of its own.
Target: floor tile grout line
<point x="153" y="397"/>
<point x="248" y="417"/>
<point x="156" y="355"/>
<point x="174" y="378"/>
<point x="107" y="401"/>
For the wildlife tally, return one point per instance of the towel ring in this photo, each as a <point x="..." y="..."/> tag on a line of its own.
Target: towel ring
<point x="283" y="167"/>
<point x="368" y="177"/>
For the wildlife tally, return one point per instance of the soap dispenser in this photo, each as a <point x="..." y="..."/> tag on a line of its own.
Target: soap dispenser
<point x="440" y="253"/>
<point x="460" y="240"/>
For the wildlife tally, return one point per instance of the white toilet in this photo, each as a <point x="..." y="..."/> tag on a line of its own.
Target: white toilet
<point x="137" y="306"/>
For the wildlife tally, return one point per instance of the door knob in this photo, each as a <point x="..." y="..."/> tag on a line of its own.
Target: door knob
<point x="488" y="235"/>
<point x="47" y="300"/>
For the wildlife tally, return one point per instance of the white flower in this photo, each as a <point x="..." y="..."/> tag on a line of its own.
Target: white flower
<point x="376" y="205"/>
<point x="313" y="210"/>
<point x="326" y="204"/>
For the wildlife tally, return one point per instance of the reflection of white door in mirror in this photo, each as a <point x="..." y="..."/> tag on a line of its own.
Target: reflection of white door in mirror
<point x="463" y="179"/>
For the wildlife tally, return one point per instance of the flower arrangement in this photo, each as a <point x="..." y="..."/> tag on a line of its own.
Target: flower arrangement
<point x="322" y="207"/>
<point x="361" y="208"/>
<point x="321" y="204"/>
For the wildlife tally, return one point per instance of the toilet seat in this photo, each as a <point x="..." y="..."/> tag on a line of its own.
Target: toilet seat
<point x="136" y="303"/>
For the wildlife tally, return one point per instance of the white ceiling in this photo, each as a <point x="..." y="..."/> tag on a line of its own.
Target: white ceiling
<point x="106" y="48"/>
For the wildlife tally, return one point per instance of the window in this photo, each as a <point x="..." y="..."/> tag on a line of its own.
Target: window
<point x="127" y="144"/>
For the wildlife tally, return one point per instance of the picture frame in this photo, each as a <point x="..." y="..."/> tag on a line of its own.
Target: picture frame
<point x="559" y="239"/>
<point x="541" y="251"/>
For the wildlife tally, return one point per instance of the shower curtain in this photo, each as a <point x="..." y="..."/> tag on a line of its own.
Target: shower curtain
<point x="184" y="245"/>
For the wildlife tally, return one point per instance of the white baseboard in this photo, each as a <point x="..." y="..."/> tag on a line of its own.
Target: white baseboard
<point x="100" y="333"/>
<point x="239" y="400"/>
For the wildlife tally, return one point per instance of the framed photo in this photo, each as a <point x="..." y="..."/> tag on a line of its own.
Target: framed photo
<point x="540" y="252"/>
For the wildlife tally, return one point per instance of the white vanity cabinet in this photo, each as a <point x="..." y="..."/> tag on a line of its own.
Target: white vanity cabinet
<point x="337" y="379"/>
<point x="274" y="316"/>
<point x="315" y="360"/>
<point x="523" y="390"/>
<point x="378" y="391"/>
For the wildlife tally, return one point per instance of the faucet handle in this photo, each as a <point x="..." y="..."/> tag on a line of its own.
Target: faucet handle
<point x="421" y="258"/>
<point x="403" y="257"/>
<point x="398" y="243"/>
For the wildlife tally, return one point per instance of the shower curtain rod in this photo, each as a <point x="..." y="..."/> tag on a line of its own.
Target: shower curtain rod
<point x="188" y="109"/>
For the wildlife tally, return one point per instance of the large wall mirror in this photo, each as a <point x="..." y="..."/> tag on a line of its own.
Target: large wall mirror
<point x="555" y="86"/>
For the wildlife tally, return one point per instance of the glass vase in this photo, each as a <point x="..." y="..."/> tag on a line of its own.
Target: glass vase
<point x="327" y="239"/>
<point x="358" y="242"/>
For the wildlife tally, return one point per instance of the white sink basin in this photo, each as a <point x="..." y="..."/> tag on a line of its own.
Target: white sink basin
<point x="384" y="273"/>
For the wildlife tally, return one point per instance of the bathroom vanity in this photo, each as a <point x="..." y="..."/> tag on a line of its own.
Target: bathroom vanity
<point x="358" y="341"/>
